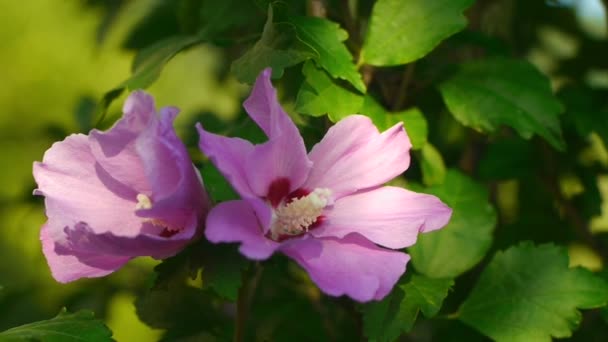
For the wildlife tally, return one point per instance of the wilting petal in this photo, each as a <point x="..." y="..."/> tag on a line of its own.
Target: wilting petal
<point x="69" y="266"/>
<point x="230" y="156"/>
<point x="350" y="266"/>
<point x="388" y="216"/>
<point x="353" y="156"/>
<point x="235" y="221"/>
<point x="77" y="189"/>
<point x="264" y="108"/>
<point x="277" y="159"/>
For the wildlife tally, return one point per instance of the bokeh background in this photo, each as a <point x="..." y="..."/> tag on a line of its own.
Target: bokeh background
<point x="59" y="57"/>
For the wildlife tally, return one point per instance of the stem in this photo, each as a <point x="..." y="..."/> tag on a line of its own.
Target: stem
<point x="401" y="96"/>
<point x="250" y="283"/>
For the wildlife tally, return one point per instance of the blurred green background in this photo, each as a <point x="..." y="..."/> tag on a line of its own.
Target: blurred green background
<point x="55" y="69"/>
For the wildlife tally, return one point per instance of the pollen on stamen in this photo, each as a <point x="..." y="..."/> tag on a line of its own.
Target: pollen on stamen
<point x="143" y="202"/>
<point x="295" y="217"/>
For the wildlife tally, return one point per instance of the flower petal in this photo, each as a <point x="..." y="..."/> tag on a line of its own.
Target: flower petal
<point x="67" y="266"/>
<point x="277" y="159"/>
<point x="264" y="108"/>
<point x="82" y="239"/>
<point x="284" y="155"/>
<point x="115" y="149"/>
<point x="352" y="265"/>
<point x="177" y="189"/>
<point x="229" y="155"/>
<point x="388" y="216"/>
<point x="77" y="189"/>
<point x="235" y="221"/>
<point x="354" y="156"/>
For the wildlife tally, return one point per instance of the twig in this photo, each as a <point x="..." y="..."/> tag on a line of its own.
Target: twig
<point x="244" y="301"/>
<point x="401" y="96"/>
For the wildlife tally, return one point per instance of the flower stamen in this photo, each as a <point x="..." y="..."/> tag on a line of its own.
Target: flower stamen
<point x="143" y="202"/>
<point x="296" y="217"/>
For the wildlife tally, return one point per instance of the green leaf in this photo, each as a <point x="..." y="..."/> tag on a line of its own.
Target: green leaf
<point x="218" y="188"/>
<point x="461" y="244"/>
<point x="222" y="269"/>
<point x="278" y="48"/>
<point x="326" y="38"/>
<point x="397" y="313"/>
<point x="433" y="167"/>
<point x="412" y="118"/>
<point x="489" y="93"/>
<point x="150" y="61"/>
<point x="217" y="16"/>
<point x="584" y="111"/>
<point x="147" y="67"/>
<point x="402" y="31"/>
<point x="65" y="327"/>
<point x="528" y="293"/>
<point x="319" y="95"/>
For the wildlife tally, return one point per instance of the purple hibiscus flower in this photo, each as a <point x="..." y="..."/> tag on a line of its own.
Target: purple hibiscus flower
<point x="328" y="209"/>
<point x="111" y="196"/>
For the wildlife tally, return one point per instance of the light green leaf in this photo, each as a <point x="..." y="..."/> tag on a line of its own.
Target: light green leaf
<point x="319" y="95"/>
<point x="486" y="94"/>
<point x="528" y="293"/>
<point x="397" y="313"/>
<point x="433" y="167"/>
<point x="461" y="244"/>
<point x="402" y="31"/>
<point x="412" y="118"/>
<point x="65" y="327"/>
<point x="278" y="48"/>
<point x="327" y="38"/>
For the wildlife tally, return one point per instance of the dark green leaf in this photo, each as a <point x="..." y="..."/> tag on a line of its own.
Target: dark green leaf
<point x="489" y="93"/>
<point x="397" y="313"/>
<point x="506" y="159"/>
<point x="465" y="240"/>
<point x="278" y="48"/>
<point x="319" y="95"/>
<point x="66" y="327"/>
<point x="402" y="31"/>
<point x="217" y="16"/>
<point x="585" y="112"/>
<point x="218" y="188"/>
<point x="326" y="38"/>
<point x="529" y="293"/>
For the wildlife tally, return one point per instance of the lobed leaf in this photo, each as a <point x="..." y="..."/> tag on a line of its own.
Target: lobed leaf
<point x="528" y="293"/>
<point x="486" y="94"/>
<point x="65" y="327"/>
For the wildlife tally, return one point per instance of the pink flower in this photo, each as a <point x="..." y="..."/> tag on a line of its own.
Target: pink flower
<point x="328" y="209"/>
<point x="111" y="196"/>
